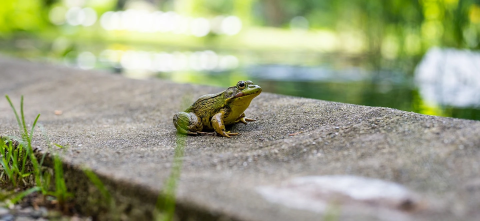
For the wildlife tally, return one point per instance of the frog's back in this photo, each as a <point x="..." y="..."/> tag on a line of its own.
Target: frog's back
<point x="206" y="106"/>
<point x="203" y="102"/>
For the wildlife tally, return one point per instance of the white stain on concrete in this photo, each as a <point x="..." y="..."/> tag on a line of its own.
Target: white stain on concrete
<point x="317" y="193"/>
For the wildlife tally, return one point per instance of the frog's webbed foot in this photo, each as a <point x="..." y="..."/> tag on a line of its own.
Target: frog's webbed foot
<point x="231" y="134"/>
<point x="243" y="119"/>
<point x="190" y="133"/>
<point x="214" y="133"/>
<point x="227" y="134"/>
<point x="249" y="119"/>
<point x="206" y="133"/>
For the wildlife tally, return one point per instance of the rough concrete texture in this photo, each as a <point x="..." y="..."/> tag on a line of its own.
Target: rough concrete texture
<point x="122" y="129"/>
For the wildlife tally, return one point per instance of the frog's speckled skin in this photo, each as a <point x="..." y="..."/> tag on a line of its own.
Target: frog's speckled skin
<point x="214" y="111"/>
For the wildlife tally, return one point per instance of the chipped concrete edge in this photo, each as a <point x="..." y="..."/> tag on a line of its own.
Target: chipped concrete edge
<point x="131" y="201"/>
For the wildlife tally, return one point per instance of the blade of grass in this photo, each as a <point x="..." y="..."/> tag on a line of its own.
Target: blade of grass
<point x="24" y="160"/>
<point x="59" y="181"/>
<point x="2" y="144"/>
<point x="165" y="208"/>
<point x="6" y="163"/>
<point x="108" y="199"/>
<point x="22" y="114"/>
<point x="98" y="183"/>
<point x="34" y="124"/>
<point x="47" y="140"/>
<point x="22" y="194"/>
<point x="14" y="165"/>
<point x="61" y="191"/>
<point x="58" y="145"/>
<point x="332" y="213"/>
<point x="3" y="147"/>
<point x="7" y="170"/>
<point x="46" y="179"/>
<point x="167" y="205"/>
<point x="29" y="141"/>
<point x="14" y="111"/>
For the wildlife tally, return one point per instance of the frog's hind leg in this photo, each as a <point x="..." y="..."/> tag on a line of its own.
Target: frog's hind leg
<point x="243" y="119"/>
<point x="187" y="123"/>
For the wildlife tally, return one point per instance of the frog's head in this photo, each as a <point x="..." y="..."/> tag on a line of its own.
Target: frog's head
<point x="242" y="93"/>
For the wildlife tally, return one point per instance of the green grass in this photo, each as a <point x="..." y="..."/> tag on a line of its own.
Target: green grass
<point x="18" y="160"/>
<point x="165" y="210"/>
<point x="13" y="163"/>
<point x="165" y="207"/>
<point x="19" y="164"/>
<point x="333" y="212"/>
<point x="20" y="168"/>
<point x="61" y="192"/>
<point x="107" y="199"/>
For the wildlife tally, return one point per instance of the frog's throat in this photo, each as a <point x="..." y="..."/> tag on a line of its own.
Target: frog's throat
<point x="238" y="106"/>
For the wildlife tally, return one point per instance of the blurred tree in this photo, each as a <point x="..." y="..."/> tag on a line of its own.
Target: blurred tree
<point x="23" y="15"/>
<point x="392" y="28"/>
<point x="274" y="12"/>
<point x="389" y="29"/>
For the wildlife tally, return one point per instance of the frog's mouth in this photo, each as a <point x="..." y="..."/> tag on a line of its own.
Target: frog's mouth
<point x="248" y="93"/>
<point x="242" y="94"/>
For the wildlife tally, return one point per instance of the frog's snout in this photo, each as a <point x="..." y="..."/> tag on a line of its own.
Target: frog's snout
<point x="255" y="87"/>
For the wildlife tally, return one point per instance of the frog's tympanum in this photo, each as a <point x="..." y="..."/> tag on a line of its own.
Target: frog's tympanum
<point x="214" y="111"/>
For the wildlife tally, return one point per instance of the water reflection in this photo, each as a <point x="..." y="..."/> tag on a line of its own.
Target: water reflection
<point x="361" y="52"/>
<point x="447" y="81"/>
<point x="449" y="77"/>
<point x="150" y="61"/>
<point x="151" y="21"/>
<point x="76" y="16"/>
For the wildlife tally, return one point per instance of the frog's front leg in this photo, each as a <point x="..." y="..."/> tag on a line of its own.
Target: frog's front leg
<point x="187" y="123"/>
<point x="219" y="126"/>
<point x="243" y="119"/>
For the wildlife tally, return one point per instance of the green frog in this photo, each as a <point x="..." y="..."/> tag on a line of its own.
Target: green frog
<point x="214" y="111"/>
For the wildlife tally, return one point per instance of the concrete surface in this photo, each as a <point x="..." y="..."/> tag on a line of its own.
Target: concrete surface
<point x="122" y="129"/>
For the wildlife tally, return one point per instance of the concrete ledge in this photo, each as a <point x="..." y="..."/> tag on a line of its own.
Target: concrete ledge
<point x="122" y="129"/>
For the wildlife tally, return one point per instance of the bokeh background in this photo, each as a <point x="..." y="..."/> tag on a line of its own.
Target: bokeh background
<point x="413" y="55"/>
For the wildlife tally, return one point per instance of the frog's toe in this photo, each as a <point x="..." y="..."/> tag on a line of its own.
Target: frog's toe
<point x="243" y="121"/>
<point x="227" y="134"/>
<point x="207" y="133"/>
<point x="249" y="119"/>
<point x="232" y="134"/>
<point x="223" y="134"/>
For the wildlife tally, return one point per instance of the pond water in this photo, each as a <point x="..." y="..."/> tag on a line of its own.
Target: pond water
<point x="349" y="79"/>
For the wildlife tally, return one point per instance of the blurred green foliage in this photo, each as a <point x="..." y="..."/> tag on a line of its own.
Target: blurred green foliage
<point x="372" y="34"/>
<point x="23" y="16"/>
<point x="393" y="27"/>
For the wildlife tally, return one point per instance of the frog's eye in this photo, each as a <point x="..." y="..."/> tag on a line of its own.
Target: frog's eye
<point x="241" y="85"/>
<point x="248" y="82"/>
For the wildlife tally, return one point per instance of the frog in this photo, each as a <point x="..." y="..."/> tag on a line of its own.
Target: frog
<point x="212" y="112"/>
